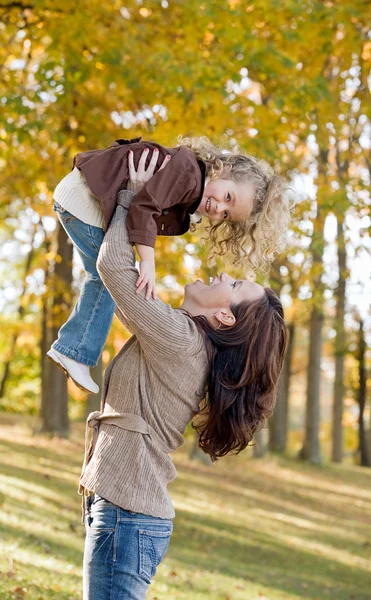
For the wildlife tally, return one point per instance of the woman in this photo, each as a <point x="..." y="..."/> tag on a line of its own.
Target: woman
<point x="223" y="350"/>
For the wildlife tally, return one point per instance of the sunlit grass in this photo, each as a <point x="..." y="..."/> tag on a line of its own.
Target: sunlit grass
<point x="245" y="530"/>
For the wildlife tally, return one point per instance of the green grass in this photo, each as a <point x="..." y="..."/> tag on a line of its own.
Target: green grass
<point x="245" y="530"/>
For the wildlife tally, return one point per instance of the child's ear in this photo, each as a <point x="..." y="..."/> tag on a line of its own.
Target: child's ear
<point x="225" y="317"/>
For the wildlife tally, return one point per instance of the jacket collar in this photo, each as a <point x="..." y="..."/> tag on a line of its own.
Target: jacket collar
<point x="195" y="205"/>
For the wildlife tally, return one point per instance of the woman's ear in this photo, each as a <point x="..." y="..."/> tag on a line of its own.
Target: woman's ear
<point x="225" y="317"/>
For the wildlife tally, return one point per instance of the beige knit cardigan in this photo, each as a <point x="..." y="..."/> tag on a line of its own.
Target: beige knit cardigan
<point x="152" y="388"/>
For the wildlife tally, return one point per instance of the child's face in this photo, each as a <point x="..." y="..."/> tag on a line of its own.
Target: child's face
<point x="227" y="200"/>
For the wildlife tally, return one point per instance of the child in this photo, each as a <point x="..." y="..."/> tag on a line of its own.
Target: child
<point x="241" y="197"/>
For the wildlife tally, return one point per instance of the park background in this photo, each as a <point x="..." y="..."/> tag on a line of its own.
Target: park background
<point x="288" y="82"/>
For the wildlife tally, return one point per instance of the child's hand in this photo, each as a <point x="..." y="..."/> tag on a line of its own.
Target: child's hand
<point x="147" y="278"/>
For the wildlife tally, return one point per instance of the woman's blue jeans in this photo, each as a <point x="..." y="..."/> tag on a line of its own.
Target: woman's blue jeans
<point x="83" y="336"/>
<point x="122" y="551"/>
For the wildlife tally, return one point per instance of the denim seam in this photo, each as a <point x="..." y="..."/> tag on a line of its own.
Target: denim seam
<point x="115" y="536"/>
<point x="143" y="521"/>
<point x="100" y="530"/>
<point x="112" y="571"/>
<point x="91" y="317"/>
<point x="68" y="219"/>
<point x="141" y="554"/>
<point x="159" y="534"/>
<point x="93" y="239"/>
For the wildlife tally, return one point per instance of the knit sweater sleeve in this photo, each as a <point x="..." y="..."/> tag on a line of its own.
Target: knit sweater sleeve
<point x="158" y="327"/>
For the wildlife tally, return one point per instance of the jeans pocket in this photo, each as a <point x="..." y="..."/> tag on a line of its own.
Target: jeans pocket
<point x="63" y="214"/>
<point x="152" y="549"/>
<point x="102" y="516"/>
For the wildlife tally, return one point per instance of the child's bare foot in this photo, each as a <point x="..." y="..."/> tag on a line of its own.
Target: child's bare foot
<point x="78" y="372"/>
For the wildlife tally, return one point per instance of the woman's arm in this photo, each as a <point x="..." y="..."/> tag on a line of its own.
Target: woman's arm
<point x="147" y="277"/>
<point x="158" y="327"/>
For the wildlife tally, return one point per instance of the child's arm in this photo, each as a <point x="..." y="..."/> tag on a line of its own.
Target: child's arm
<point x="147" y="270"/>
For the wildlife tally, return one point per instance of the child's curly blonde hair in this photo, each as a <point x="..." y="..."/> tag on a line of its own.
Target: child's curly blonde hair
<point x="255" y="242"/>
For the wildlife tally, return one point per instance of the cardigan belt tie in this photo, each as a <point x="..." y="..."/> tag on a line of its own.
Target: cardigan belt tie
<point x="128" y="421"/>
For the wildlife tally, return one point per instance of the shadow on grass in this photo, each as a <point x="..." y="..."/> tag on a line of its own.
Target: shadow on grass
<point x="201" y="542"/>
<point x="52" y="483"/>
<point x="279" y="495"/>
<point x="40" y="452"/>
<point x="44" y="544"/>
<point x="35" y="587"/>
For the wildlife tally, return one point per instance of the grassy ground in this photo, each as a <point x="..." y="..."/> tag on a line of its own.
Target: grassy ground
<point x="244" y="530"/>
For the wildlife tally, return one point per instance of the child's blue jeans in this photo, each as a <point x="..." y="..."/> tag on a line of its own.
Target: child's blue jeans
<point x="83" y="336"/>
<point x="122" y="551"/>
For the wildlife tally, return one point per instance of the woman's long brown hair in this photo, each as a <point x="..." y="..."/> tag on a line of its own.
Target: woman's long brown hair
<point x="246" y="361"/>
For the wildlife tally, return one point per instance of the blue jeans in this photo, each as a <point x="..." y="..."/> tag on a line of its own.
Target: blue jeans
<point x="122" y="551"/>
<point x="83" y="336"/>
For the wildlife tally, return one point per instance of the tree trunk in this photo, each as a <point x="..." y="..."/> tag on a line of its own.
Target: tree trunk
<point x="93" y="400"/>
<point x="45" y="342"/>
<point x="340" y="349"/>
<point x="6" y="371"/>
<point x="54" y="395"/>
<point x="363" y="447"/>
<point x="197" y="454"/>
<point x="278" y="423"/>
<point x="259" y="448"/>
<point x="14" y="337"/>
<point x="311" y="447"/>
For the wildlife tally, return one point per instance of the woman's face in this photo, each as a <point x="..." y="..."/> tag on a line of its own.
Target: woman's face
<point x="221" y="293"/>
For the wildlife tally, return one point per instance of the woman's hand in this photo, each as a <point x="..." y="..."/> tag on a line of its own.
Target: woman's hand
<point x="146" y="279"/>
<point x="141" y="176"/>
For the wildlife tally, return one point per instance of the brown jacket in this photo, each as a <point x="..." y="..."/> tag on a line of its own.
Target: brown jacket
<point x="163" y="205"/>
